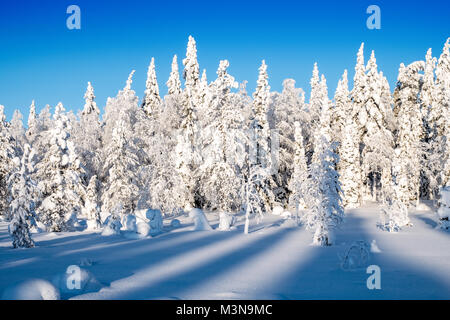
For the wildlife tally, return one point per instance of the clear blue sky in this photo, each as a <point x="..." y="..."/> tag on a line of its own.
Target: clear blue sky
<point x="41" y="59"/>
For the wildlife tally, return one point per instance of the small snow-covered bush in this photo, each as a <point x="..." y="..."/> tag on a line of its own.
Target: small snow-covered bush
<point x="156" y="221"/>
<point x="356" y="256"/>
<point x="226" y="221"/>
<point x="112" y="226"/>
<point x="444" y="207"/>
<point x="200" y="221"/>
<point x="175" y="223"/>
<point x="277" y="211"/>
<point x="143" y="229"/>
<point x="393" y="217"/>
<point x="129" y="223"/>
<point x="86" y="282"/>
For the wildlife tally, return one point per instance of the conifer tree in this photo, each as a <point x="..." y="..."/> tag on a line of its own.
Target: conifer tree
<point x="23" y="192"/>
<point x="60" y="177"/>
<point x="299" y="177"/>
<point x="152" y="100"/>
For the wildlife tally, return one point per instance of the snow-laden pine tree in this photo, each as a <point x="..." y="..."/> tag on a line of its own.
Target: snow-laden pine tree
<point x="358" y="93"/>
<point x="188" y="156"/>
<point x="174" y="83"/>
<point x="410" y="132"/>
<point x="120" y="188"/>
<point x="376" y="138"/>
<point x="349" y="164"/>
<point x="87" y="134"/>
<point x="298" y="180"/>
<point x="263" y="152"/>
<point x="91" y="208"/>
<point x="288" y="107"/>
<point x="438" y="119"/>
<point x="316" y="98"/>
<point x="152" y="101"/>
<point x="32" y="124"/>
<point x="60" y="177"/>
<point x="394" y="213"/>
<point x="222" y="178"/>
<point x="7" y="154"/>
<point x="123" y="107"/>
<point x="323" y="127"/>
<point x="342" y="109"/>
<point x="323" y="196"/>
<point x="17" y="132"/>
<point x="23" y="192"/>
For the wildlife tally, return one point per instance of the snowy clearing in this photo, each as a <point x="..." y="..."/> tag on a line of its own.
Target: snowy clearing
<point x="274" y="261"/>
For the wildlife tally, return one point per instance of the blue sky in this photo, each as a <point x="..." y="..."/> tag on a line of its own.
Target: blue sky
<point x="43" y="60"/>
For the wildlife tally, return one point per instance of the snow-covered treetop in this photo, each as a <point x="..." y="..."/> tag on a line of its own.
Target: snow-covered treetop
<point x="2" y="115"/>
<point x="32" y="115"/>
<point x="151" y="98"/>
<point x="191" y="71"/>
<point x="129" y="82"/>
<point x="174" y="83"/>
<point x="90" y="106"/>
<point x="262" y="93"/>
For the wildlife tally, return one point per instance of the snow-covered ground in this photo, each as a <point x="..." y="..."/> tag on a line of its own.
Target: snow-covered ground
<point x="274" y="261"/>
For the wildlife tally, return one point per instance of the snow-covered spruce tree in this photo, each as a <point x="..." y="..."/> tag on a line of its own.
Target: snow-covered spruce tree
<point x="263" y="154"/>
<point x="87" y="134"/>
<point x="358" y="93"/>
<point x="60" y="177"/>
<point x="222" y="166"/>
<point x="120" y="187"/>
<point x="410" y="133"/>
<point x="23" y="192"/>
<point x="287" y="107"/>
<point x="32" y="123"/>
<point x="394" y="213"/>
<point x="92" y="205"/>
<point x="7" y="155"/>
<point x="316" y="98"/>
<point x="174" y="83"/>
<point x="123" y="107"/>
<point x="377" y="139"/>
<point x="188" y="156"/>
<point x="298" y="181"/>
<point x="323" y="128"/>
<point x="342" y="108"/>
<point x="259" y="181"/>
<point x="323" y="199"/>
<point x="17" y="132"/>
<point x="438" y="120"/>
<point x="152" y="101"/>
<point x="349" y="165"/>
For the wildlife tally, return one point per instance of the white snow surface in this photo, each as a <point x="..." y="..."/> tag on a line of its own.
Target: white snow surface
<point x="274" y="261"/>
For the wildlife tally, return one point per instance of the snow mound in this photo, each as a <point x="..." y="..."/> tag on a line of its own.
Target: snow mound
<point x="76" y="281"/>
<point x="143" y="229"/>
<point x="356" y="256"/>
<point x="277" y="211"/>
<point x="226" y="221"/>
<point x="112" y="226"/>
<point x="175" y="223"/>
<point x="35" y="289"/>
<point x="129" y="223"/>
<point x="156" y="222"/>
<point x="423" y="207"/>
<point x="286" y="215"/>
<point x="200" y="221"/>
